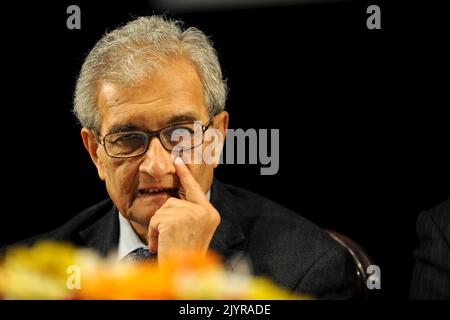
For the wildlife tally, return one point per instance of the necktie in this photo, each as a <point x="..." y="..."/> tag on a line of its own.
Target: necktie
<point x="139" y="255"/>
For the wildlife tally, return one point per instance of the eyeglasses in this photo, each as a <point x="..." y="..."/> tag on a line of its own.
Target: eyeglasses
<point x="127" y="144"/>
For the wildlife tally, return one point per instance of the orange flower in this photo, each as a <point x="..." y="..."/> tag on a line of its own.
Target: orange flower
<point x="41" y="272"/>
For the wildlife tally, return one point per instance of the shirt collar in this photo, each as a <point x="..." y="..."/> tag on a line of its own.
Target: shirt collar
<point x="128" y="239"/>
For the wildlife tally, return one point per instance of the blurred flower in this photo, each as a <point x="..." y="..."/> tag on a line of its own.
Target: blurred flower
<point x="38" y="272"/>
<point x="43" y="272"/>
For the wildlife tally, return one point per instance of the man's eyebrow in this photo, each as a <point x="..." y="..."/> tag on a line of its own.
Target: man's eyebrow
<point x="185" y="117"/>
<point x="180" y="118"/>
<point x="123" y="128"/>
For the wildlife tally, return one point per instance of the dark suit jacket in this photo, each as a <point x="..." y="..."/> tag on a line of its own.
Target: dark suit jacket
<point x="431" y="277"/>
<point x="282" y="245"/>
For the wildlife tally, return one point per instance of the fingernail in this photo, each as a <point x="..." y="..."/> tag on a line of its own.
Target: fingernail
<point x="178" y="160"/>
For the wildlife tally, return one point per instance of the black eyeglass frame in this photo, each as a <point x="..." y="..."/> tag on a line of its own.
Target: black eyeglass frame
<point x="150" y="135"/>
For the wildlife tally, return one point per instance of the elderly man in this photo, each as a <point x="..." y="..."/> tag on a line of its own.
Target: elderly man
<point x="139" y="85"/>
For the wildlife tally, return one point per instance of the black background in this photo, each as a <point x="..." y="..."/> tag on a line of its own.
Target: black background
<point x="364" y="134"/>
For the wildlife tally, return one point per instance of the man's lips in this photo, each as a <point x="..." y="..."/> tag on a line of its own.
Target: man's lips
<point x="170" y="191"/>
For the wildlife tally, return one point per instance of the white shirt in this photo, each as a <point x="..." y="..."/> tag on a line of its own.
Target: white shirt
<point x="128" y="239"/>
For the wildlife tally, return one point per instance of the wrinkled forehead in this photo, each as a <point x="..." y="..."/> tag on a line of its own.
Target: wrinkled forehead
<point x="174" y="93"/>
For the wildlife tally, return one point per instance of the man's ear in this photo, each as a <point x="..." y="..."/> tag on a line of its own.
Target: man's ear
<point x="221" y="123"/>
<point x="91" y="145"/>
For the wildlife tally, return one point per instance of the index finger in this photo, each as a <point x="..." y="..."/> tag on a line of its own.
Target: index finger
<point x="191" y="190"/>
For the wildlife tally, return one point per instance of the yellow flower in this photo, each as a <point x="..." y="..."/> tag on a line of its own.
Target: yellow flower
<point x="263" y="289"/>
<point x="38" y="272"/>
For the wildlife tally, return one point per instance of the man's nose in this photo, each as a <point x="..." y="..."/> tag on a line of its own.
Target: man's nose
<point x="157" y="161"/>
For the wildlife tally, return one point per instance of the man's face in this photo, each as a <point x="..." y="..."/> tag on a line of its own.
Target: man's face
<point x="173" y="95"/>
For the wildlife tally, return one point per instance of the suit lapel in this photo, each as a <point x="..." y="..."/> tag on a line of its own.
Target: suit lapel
<point x="103" y="234"/>
<point x="229" y="234"/>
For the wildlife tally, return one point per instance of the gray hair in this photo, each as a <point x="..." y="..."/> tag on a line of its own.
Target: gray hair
<point x="128" y="55"/>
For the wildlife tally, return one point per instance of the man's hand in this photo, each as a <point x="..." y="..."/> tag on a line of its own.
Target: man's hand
<point x="186" y="224"/>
